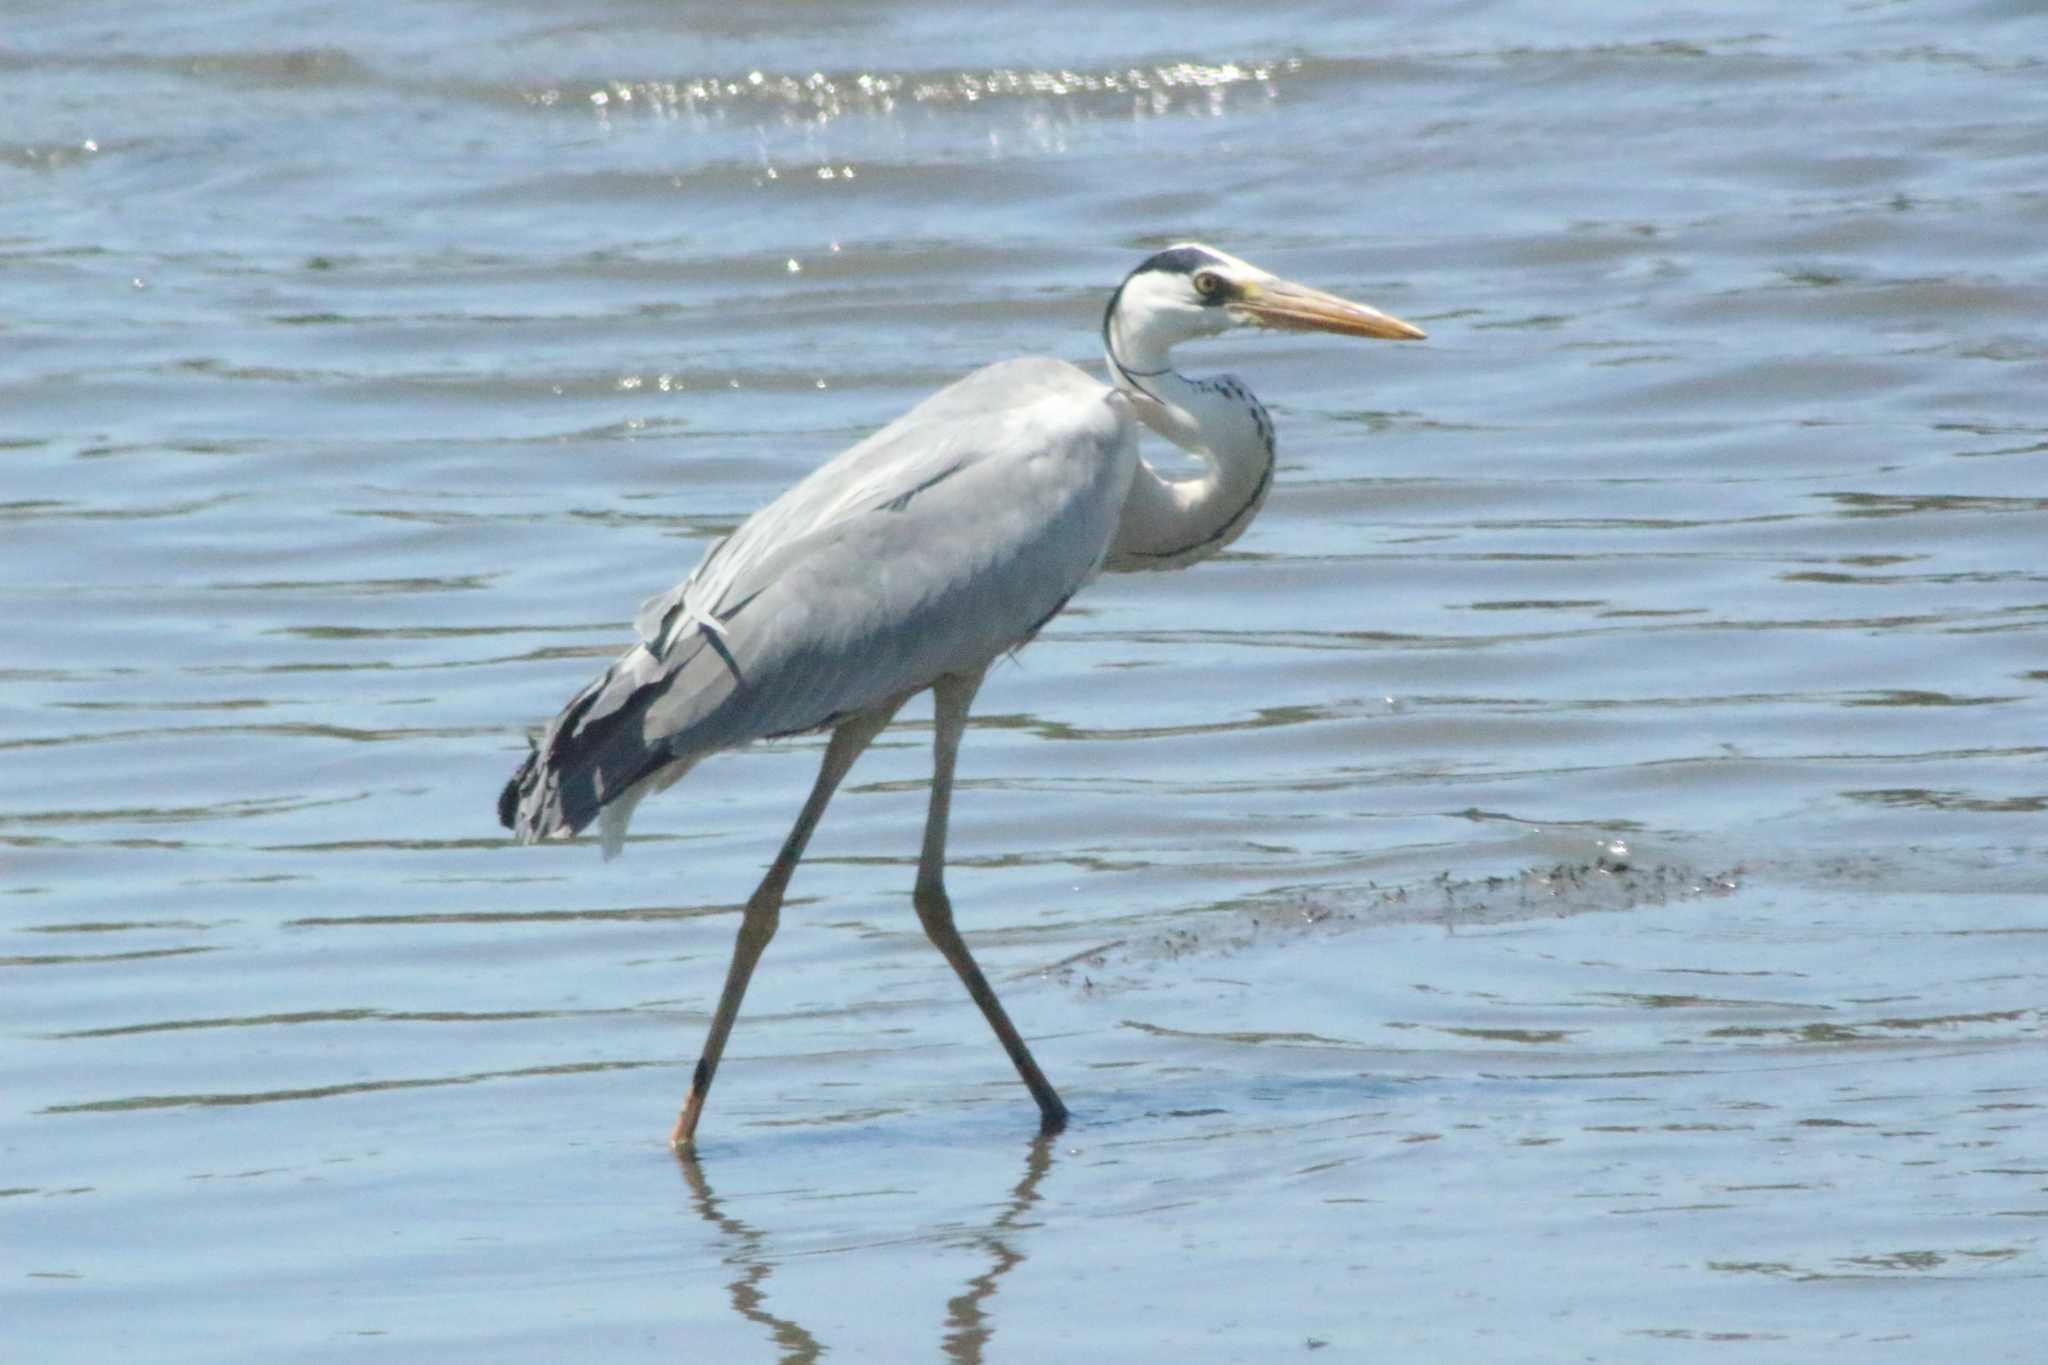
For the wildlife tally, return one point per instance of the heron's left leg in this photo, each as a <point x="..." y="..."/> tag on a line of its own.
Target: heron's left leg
<point x="951" y="696"/>
<point x="764" y="907"/>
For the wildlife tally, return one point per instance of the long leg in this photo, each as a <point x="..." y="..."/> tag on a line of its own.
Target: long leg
<point x="764" y="907"/>
<point x="952" y="696"/>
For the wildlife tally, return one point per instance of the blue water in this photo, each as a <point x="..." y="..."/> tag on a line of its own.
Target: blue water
<point x="1564" y="886"/>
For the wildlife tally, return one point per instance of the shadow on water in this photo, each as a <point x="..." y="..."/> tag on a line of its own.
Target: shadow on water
<point x="968" y="1327"/>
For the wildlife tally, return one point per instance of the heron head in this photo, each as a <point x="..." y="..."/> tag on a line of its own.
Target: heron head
<point x="1190" y="291"/>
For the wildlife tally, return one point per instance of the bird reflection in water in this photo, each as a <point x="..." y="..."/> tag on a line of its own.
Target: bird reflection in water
<point x="748" y="1255"/>
<point x="968" y="1326"/>
<point x="967" y="1322"/>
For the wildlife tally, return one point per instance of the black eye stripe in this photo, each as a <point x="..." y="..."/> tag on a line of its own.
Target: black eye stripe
<point x="1180" y="260"/>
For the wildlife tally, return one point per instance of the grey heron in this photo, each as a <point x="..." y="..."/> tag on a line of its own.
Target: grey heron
<point x="915" y="560"/>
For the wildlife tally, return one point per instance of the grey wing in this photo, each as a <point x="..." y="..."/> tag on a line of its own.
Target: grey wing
<point x="998" y="411"/>
<point x="947" y="538"/>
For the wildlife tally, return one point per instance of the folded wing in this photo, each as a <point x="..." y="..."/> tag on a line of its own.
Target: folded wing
<point x="940" y="542"/>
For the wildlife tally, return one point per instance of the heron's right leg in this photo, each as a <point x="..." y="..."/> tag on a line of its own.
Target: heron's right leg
<point x="764" y="907"/>
<point x="951" y="697"/>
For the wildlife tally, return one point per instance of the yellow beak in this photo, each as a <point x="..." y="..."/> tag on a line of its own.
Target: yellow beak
<point x="1297" y="308"/>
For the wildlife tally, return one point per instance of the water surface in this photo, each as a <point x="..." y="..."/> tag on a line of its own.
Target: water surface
<point x="1564" y="886"/>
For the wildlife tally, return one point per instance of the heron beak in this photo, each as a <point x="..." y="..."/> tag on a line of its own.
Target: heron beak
<point x="1297" y="308"/>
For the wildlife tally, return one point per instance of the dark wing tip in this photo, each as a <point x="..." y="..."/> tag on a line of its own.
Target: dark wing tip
<point x="508" y="803"/>
<point x="508" y="799"/>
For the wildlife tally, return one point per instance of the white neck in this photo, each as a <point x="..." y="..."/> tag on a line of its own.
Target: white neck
<point x="1171" y="521"/>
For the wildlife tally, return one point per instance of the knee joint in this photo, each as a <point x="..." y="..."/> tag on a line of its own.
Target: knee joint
<point x="759" y="922"/>
<point x="931" y="901"/>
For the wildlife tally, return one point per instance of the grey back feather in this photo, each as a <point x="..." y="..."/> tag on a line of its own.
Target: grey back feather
<point x="935" y="545"/>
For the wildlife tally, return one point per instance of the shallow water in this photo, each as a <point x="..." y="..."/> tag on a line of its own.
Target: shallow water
<point x="1564" y="886"/>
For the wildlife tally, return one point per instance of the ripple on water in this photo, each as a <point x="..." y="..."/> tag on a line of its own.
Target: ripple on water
<point x="361" y="379"/>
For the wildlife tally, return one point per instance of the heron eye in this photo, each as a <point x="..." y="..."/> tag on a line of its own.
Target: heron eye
<point x="1208" y="284"/>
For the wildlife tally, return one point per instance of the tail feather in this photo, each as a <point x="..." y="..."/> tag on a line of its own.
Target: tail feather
<point x="591" y="755"/>
<point x="508" y="799"/>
